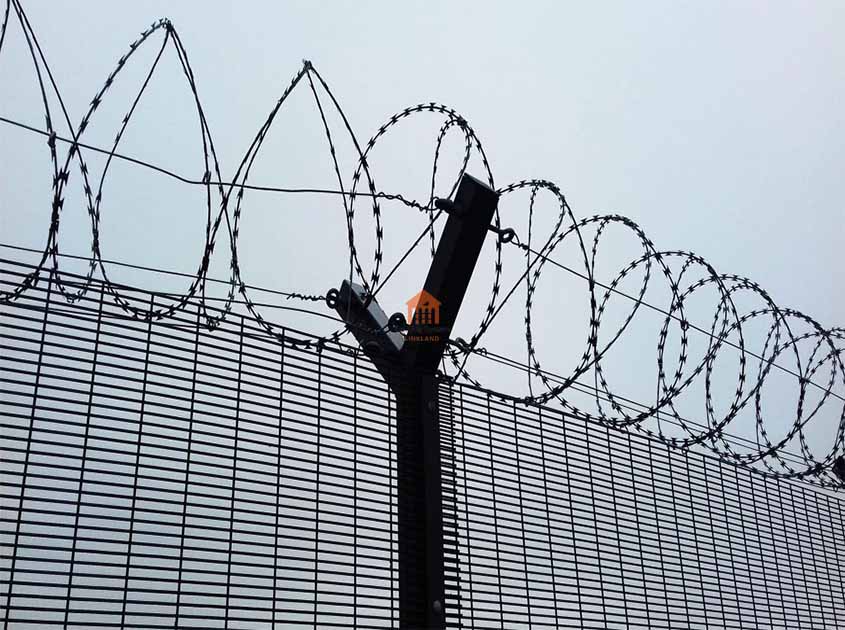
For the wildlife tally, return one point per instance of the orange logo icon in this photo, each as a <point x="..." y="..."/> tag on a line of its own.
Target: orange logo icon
<point x="423" y="309"/>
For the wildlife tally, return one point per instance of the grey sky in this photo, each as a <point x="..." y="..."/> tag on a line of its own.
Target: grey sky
<point x="718" y="127"/>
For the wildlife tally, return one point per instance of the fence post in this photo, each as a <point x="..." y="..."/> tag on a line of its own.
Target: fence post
<point x="409" y="366"/>
<point x="422" y="589"/>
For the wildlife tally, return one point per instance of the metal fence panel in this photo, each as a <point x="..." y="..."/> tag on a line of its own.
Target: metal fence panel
<point x="167" y="475"/>
<point x="163" y="474"/>
<point x="563" y="523"/>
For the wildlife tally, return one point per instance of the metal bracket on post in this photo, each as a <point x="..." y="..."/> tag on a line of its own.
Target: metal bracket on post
<point x="409" y="366"/>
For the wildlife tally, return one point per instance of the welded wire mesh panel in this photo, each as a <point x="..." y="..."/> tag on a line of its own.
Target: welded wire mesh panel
<point x="164" y="474"/>
<point x="167" y="475"/>
<point x="556" y="523"/>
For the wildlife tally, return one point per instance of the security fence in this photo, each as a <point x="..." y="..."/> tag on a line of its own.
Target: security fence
<point x="167" y="474"/>
<point x="566" y="524"/>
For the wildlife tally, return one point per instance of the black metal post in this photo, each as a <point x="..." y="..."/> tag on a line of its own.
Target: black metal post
<point x="409" y="366"/>
<point x="421" y="572"/>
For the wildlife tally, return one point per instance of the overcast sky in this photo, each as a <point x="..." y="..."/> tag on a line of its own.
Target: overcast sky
<point x="717" y="127"/>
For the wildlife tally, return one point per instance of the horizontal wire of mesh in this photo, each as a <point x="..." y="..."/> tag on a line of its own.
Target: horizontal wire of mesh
<point x="552" y="522"/>
<point x="167" y="475"/>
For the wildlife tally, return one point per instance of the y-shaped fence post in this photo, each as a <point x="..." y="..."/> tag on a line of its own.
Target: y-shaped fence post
<point x="409" y="366"/>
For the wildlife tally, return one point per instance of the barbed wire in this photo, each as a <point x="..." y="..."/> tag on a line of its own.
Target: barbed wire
<point x="815" y="351"/>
